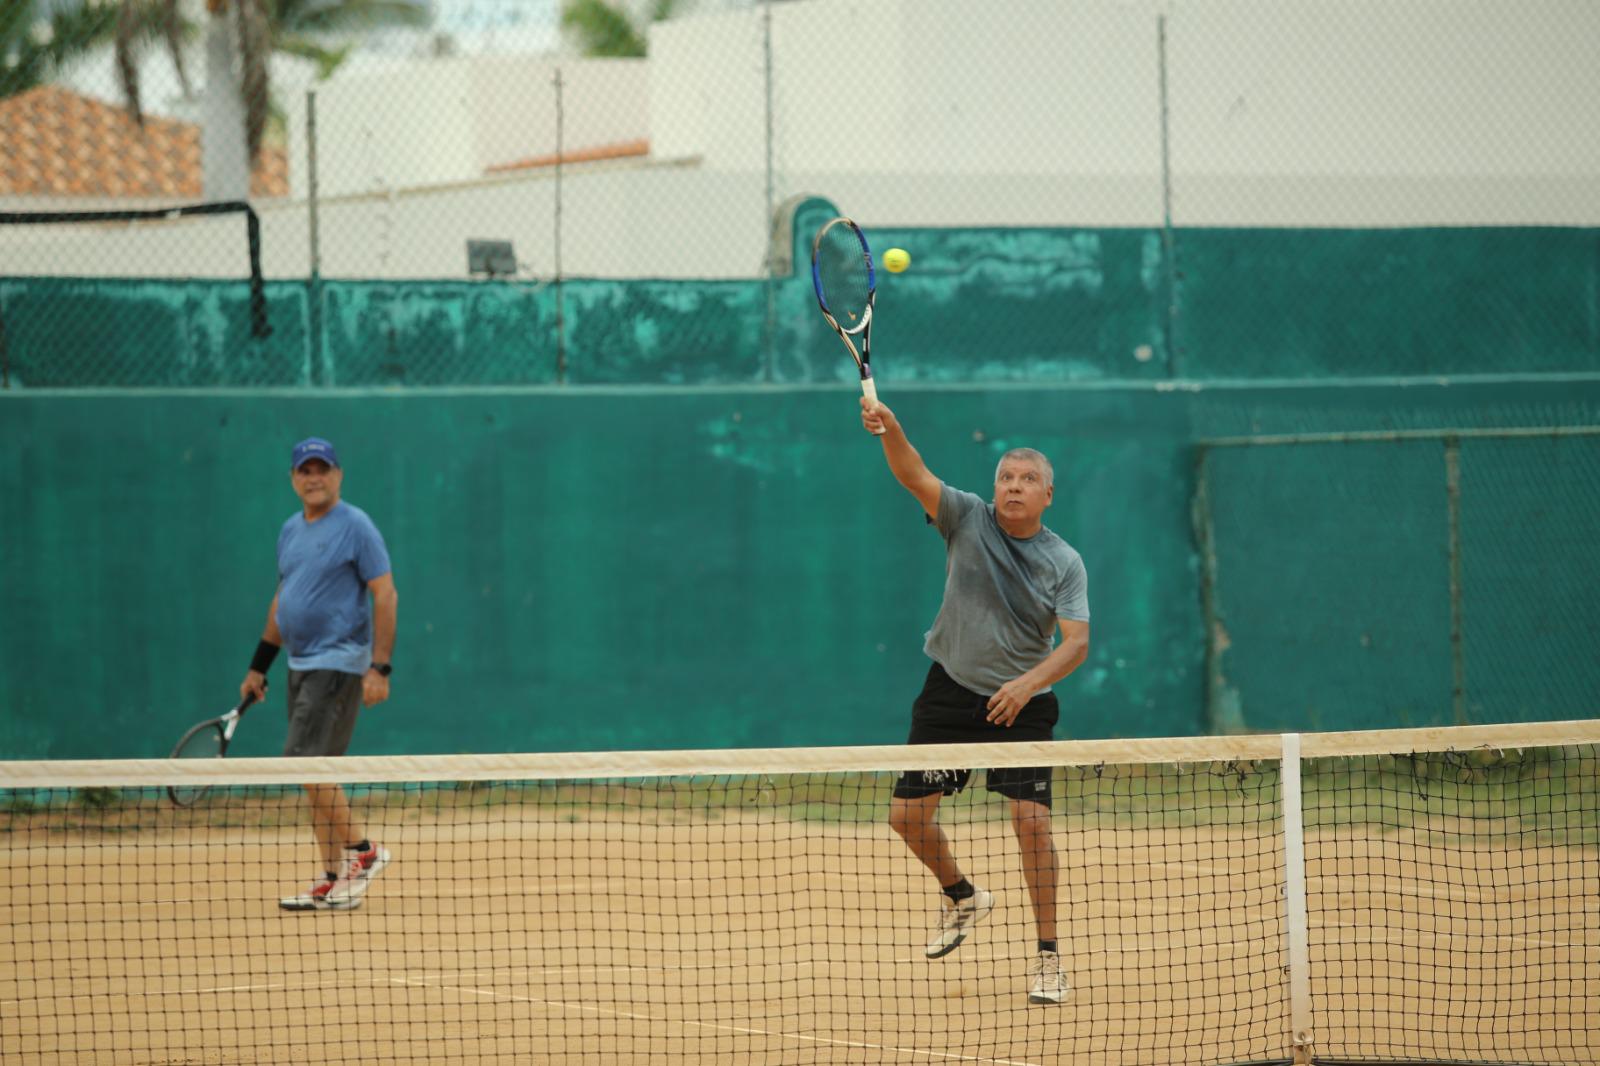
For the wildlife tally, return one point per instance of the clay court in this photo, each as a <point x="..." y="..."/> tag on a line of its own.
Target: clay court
<point x="529" y="932"/>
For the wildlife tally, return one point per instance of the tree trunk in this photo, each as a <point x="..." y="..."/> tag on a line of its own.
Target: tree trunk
<point x="223" y="155"/>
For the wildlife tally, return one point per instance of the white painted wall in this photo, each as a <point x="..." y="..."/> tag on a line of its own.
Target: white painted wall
<point x="938" y="113"/>
<point x="1376" y="112"/>
<point x="427" y="122"/>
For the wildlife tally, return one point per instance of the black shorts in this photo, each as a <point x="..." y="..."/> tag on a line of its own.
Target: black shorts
<point x="946" y="713"/>
<point x="322" y="711"/>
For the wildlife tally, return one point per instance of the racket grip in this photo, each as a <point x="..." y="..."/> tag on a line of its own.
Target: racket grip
<point x="869" y="389"/>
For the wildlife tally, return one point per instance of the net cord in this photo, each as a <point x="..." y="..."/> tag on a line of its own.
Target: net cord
<point x="86" y="773"/>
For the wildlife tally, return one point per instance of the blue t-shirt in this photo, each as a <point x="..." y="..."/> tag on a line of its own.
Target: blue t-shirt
<point x="324" y="613"/>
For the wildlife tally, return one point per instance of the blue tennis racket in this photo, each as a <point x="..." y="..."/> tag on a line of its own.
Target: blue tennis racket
<point x="842" y="274"/>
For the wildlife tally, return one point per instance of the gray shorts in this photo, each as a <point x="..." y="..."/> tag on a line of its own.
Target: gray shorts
<point x="322" y="711"/>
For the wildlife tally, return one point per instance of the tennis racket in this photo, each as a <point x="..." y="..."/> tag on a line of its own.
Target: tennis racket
<point x="842" y="274"/>
<point x="208" y="740"/>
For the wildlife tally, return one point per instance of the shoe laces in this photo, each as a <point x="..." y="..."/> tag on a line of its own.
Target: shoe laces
<point x="954" y="914"/>
<point x="356" y="866"/>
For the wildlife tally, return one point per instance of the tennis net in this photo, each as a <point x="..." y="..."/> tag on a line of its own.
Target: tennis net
<point x="1395" y="896"/>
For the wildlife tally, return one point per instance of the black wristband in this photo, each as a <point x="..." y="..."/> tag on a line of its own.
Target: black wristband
<point x="266" y="652"/>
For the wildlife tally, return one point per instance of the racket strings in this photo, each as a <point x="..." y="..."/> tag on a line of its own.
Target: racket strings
<point x="843" y="274"/>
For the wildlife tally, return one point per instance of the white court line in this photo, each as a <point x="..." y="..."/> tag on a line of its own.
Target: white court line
<point x="635" y="1016"/>
<point x="275" y="986"/>
<point x="520" y="971"/>
<point x="344" y="981"/>
<point x="559" y="971"/>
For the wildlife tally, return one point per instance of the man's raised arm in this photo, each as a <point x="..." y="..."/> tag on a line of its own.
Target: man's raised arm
<point x="904" y="462"/>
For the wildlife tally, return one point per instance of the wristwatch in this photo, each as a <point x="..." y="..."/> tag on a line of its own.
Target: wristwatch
<point x="384" y="669"/>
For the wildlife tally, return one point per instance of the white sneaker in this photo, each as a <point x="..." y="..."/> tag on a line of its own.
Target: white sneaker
<point x="314" y="898"/>
<point x="1049" y="983"/>
<point x="360" y="869"/>
<point x="956" y="921"/>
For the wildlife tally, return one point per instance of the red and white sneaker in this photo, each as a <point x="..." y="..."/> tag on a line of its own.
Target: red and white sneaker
<point x="314" y="898"/>
<point x="360" y="870"/>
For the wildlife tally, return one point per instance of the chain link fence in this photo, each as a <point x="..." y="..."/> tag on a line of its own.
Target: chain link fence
<point x="493" y="192"/>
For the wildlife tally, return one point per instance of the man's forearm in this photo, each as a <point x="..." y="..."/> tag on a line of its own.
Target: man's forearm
<point x="384" y="611"/>
<point x="905" y="462"/>
<point x="1062" y="660"/>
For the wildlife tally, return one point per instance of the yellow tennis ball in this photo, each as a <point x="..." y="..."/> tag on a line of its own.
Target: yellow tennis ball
<point x="896" y="260"/>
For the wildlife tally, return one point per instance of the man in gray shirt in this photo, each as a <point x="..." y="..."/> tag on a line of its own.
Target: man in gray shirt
<point x="1010" y="583"/>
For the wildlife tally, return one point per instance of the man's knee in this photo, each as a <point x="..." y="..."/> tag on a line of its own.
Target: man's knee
<point x="1030" y="819"/>
<point x="908" y="818"/>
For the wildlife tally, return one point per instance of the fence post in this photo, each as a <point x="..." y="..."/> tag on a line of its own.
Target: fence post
<point x="561" y="319"/>
<point x="314" y="350"/>
<point x="1458" y="653"/>
<point x="769" y="327"/>
<point x="1168" y="244"/>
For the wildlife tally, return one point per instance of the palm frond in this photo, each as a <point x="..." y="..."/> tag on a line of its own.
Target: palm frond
<point x="602" y="30"/>
<point x="129" y="25"/>
<point x="255" y="49"/>
<point x="300" y="18"/>
<point x="327" y="59"/>
<point x="28" y="58"/>
<point x="173" y="30"/>
<point x="16" y="20"/>
<point x="140" y="21"/>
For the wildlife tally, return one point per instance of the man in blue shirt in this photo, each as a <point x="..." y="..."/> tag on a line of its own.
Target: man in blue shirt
<point x="335" y="611"/>
<point x="1010" y="584"/>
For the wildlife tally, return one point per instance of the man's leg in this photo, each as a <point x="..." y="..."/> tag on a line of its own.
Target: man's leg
<point x="1040" y="869"/>
<point x="916" y="820"/>
<point x="332" y="823"/>
<point x="323" y="705"/>
<point x="344" y="846"/>
<point x="964" y="904"/>
<point x="1031" y="822"/>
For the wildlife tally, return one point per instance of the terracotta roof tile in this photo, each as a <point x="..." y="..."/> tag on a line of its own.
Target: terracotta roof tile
<point x="619" y="150"/>
<point x="54" y="142"/>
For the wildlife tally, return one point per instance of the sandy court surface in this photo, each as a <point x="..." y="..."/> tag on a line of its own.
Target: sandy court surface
<point x="514" y="933"/>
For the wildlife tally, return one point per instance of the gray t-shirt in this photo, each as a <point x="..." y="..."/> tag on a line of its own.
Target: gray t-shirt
<point x="1002" y="595"/>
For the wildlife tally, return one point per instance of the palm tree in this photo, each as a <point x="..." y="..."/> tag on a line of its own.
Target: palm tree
<point x="608" y="30"/>
<point x="39" y="40"/>
<point x="318" y="30"/>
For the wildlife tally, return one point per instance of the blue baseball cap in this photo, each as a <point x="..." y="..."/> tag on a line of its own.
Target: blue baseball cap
<point x="313" y="448"/>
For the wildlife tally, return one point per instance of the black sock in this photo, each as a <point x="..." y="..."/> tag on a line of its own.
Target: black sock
<point x="1047" y="945"/>
<point x="959" y="891"/>
<point x="365" y="845"/>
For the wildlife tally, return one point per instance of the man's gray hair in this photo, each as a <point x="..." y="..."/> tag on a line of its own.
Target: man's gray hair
<point x="1032" y="456"/>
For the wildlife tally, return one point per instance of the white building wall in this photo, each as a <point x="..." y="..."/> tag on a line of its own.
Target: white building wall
<point x="1351" y="113"/>
<point x="443" y="121"/>
<point x="1374" y="112"/>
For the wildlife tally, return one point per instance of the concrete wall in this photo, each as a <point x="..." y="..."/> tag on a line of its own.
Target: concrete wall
<point x="622" y="567"/>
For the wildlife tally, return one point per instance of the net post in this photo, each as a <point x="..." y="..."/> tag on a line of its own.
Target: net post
<point x="1294" y="862"/>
